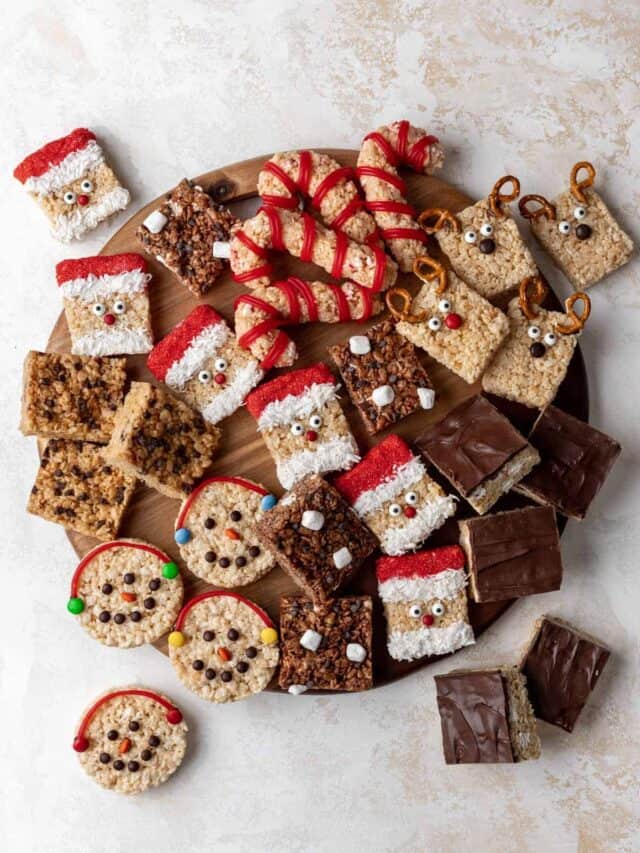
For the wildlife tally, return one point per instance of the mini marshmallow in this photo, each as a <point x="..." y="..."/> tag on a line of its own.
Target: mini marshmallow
<point x="359" y="344"/>
<point x="342" y="558"/>
<point x="155" y="222"/>
<point x="427" y="397"/>
<point x="297" y="689"/>
<point x="312" y="519"/>
<point x="311" y="640"/>
<point x="383" y="395"/>
<point x="221" y="249"/>
<point x="356" y="653"/>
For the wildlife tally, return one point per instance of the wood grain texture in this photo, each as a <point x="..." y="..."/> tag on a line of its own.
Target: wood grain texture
<point x="242" y="452"/>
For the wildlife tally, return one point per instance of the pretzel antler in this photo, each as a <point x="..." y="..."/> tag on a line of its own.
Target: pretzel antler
<point x="576" y="321"/>
<point x="497" y="199"/>
<point x="546" y="208"/>
<point x="442" y="217"/>
<point x="403" y="313"/>
<point x="577" y="186"/>
<point x="434" y="270"/>
<point x="532" y="291"/>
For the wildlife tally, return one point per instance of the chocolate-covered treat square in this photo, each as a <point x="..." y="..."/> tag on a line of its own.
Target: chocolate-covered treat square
<point x="486" y="717"/>
<point x="383" y="376"/>
<point x="512" y="554"/>
<point x="479" y="451"/>
<point x="575" y="461"/>
<point x="325" y="646"/>
<point x="562" y="666"/>
<point x="316" y="537"/>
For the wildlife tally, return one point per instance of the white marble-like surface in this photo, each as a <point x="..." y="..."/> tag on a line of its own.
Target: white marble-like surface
<point x="174" y="89"/>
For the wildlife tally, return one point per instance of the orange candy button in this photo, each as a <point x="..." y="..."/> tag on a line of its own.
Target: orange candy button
<point x="224" y="654"/>
<point x="128" y="596"/>
<point x="125" y="746"/>
<point x="230" y="533"/>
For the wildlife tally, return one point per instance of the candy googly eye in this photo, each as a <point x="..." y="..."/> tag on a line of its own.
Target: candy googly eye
<point x="564" y="227"/>
<point x="411" y="498"/>
<point x="470" y="236"/>
<point x="444" y="305"/>
<point x="486" y="229"/>
<point x="534" y="332"/>
<point x="437" y="608"/>
<point x="204" y="376"/>
<point x="69" y="197"/>
<point x="415" y="611"/>
<point x="434" y="323"/>
<point x="297" y="429"/>
<point x="220" y="364"/>
<point x="86" y="186"/>
<point x="119" y="307"/>
<point x="99" y="309"/>
<point x="550" y="339"/>
<point x="580" y="212"/>
<point x="315" y="421"/>
<point x="395" y="510"/>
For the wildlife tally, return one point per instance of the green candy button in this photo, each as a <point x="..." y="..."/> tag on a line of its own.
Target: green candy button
<point x="170" y="570"/>
<point x="75" y="606"/>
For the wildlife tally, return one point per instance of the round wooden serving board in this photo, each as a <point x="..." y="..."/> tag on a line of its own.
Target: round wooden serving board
<point x="242" y="452"/>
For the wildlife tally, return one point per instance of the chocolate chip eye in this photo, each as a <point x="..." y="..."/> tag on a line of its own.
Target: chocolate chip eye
<point x="149" y="603"/>
<point x="210" y="556"/>
<point x="154" y="584"/>
<point x="470" y="236"/>
<point x="437" y="608"/>
<point x="534" y="332"/>
<point x="105" y="758"/>
<point x="118" y="764"/>
<point x="434" y="323"/>
<point x="69" y="197"/>
<point x="112" y="734"/>
<point x="107" y="589"/>
<point x="235" y="515"/>
<point x="133" y="766"/>
<point x="134" y="725"/>
<point x="242" y="666"/>
<point x="564" y="227"/>
<point x="232" y="634"/>
<point x="580" y="212"/>
<point x="104" y="616"/>
<point x="415" y="611"/>
<point x="146" y="755"/>
<point x="129" y="577"/>
<point x="154" y="740"/>
<point x="251" y="652"/>
<point x="119" y="618"/>
<point x="486" y="229"/>
<point x="198" y="665"/>
<point x="209" y="636"/>
<point x="550" y="339"/>
<point x="210" y="523"/>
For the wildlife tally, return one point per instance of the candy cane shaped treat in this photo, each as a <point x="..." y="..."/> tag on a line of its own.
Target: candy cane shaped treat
<point x="382" y="152"/>
<point x="260" y="315"/>
<point x="322" y="180"/>
<point x="301" y="236"/>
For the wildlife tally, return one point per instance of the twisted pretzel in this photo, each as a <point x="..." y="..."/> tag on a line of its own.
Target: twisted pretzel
<point x="532" y="291"/>
<point x="497" y="199"/>
<point x="403" y="313"/>
<point x="546" y="208"/>
<point x="443" y="217"/>
<point x="577" y="321"/>
<point x="577" y="186"/>
<point x="435" y="271"/>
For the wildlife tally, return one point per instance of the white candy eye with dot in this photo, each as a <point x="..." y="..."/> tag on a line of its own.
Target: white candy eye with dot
<point x="220" y="364"/>
<point x="315" y="421"/>
<point x="204" y="376"/>
<point x="434" y="324"/>
<point x="550" y="339"/>
<point x="86" y="186"/>
<point x="411" y="498"/>
<point x="395" y="510"/>
<point x="297" y="429"/>
<point x="119" y="307"/>
<point x="437" y="608"/>
<point x="486" y="230"/>
<point x="444" y="305"/>
<point x="415" y="611"/>
<point x="470" y="236"/>
<point x="534" y="332"/>
<point x="580" y="212"/>
<point x="69" y="197"/>
<point x="99" y="309"/>
<point x="564" y="227"/>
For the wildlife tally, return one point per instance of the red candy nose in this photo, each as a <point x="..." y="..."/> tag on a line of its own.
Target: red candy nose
<point x="219" y="378"/>
<point x="174" y="716"/>
<point x="453" y="321"/>
<point x="311" y="435"/>
<point x="83" y="199"/>
<point x="109" y="319"/>
<point x="410" y="512"/>
<point x="80" y="744"/>
<point x="427" y="620"/>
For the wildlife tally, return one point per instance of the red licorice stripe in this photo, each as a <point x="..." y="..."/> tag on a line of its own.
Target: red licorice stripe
<point x="309" y="237"/>
<point x="374" y="238"/>
<point x="367" y="301"/>
<point x="258" y="272"/>
<point x="214" y="594"/>
<point x="132" y="692"/>
<point x="304" y="172"/>
<point x="293" y="307"/>
<point x="260" y="251"/>
<point x="279" y="346"/>
<point x="342" y="303"/>
<point x="342" y="244"/>
<point x="236" y="481"/>
<point x="380" y="464"/>
<point x="416" y="154"/>
<point x="286" y="202"/>
<point x="381" y="265"/>
<point x="303" y="290"/>
<point x="106" y="546"/>
<point x="423" y="564"/>
<point x="381" y="175"/>
<point x="52" y="154"/>
<point x="346" y="213"/>
<point x="276" y="228"/>
<point x="263" y="328"/>
<point x="256" y="302"/>
<point x="387" y="148"/>
<point x="404" y="234"/>
<point x="403" y="136"/>
<point x="332" y="179"/>
<point x="391" y="207"/>
<point x="282" y="176"/>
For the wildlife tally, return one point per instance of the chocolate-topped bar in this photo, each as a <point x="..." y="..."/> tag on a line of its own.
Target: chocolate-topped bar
<point x="486" y="717"/>
<point x="575" y="462"/>
<point x="316" y="537"/>
<point x="383" y="376"/>
<point x="479" y="451"/>
<point x="512" y="554"/>
<point x="562" y="666"/>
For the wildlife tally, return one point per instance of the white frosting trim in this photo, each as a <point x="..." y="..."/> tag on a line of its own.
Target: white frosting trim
<point x="404" y="476"/>
<point x="72" y="225"/>
<point x="446" y="584"/>
<point x="202" y="347"/>
<point x="430" y="516"/>
<point x="281" y="412"/>
<point x="74" y="166"/>
<point x="87" y="289"/>
<point x="113" y="342"/>
<point x="411" y="645"/>
<point x="337" y="454"/>
<point x="232" y="397"/>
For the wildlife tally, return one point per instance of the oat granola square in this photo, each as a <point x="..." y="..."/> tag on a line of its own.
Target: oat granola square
<point x="325" y="646"/>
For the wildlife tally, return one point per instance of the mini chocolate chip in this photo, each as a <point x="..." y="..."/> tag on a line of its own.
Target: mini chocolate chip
<point x="254" y="551"/>
<point x="154" y="740"/>
<point x="210" y="674"/>
<point x="133" y="766"/>
<point x="198" y="665"/>
<point x="146" y="755"/>
<point x="235" y="515"/>
<point x="149" y="603"/>
<point x="208" y="636"/>
<point x="210" y="557"/>
<point x="487" y="246"/>
<point x="134" y="725"/>
<point x="241" y="561"/>
<point x="136" y="616"/>
<point x="129" y="577"/>
<point x="225" y="562"/>
<point x="242" y="666"/>
<point x="232" y="634"/>
<point x="112" y="734"/>
<point x="226" y="675"/>
<point x="209" y="523"/>
<point x="251" y="652"/>
<point x="119" y="618"/>
<point x="107" y="589"/>
<point x="583" y="232"/>
<point x="105" y="758"/>
<point x="537" y="350"/>
<point x="154" y="584"/>
<point x="118" y="765"/>
<point x="104" y="616"/>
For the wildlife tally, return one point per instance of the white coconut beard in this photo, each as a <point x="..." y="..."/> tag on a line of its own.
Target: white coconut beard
<point x="113" y="342"/>
<point x="399" y="540"/>
<point x="73" y="225"/>
<point x="411" y="645"/>
<point x="232" y="396"/>
<point x="337" y="454"/>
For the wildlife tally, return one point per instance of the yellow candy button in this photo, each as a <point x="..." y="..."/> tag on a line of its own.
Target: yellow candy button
<point x="269" y="636"/>
<point x="176" y="639"/>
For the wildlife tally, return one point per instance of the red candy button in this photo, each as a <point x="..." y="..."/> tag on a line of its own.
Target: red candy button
<point x="410" y="512"/>
<point x="219" y="378"/>
<point x="174" y="716"/>
<point x="427" y="620"/>
<point x="311" y="435"/>
<point x="83" y="199"/>
<point x="109" y="319"/>
<point x="80" y="743"/>
<point x="453" y="321"/>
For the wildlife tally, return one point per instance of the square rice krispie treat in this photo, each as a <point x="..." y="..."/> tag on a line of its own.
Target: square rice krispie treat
<point x="395" y="497"/>
<point x="534" y="359"/>
<point x="512" y="554"/>
<point x="183" y="233"/>
<point x="71" y="181"/>
<point x="486" y="717"/>
<point x="76" y="487"/>
<point x="575" y="461"/>
<point x="562" y="666"/>
<point x="161" y="440"/>
<point x="303" y="425"/>
<point x="106" y="304"/>
<point x="383" y="376"/>
<point x="325" y="646"/>
<point x="316" y="537"/>
<point x="425" y="603"/>
<point x="202" y="363"/>
<point x="482" y="242"/>
<point x="479" y="451"/>
<point x="71" y="396"/>
<point x="450" y="321"/>
<point x="578" y="230"/>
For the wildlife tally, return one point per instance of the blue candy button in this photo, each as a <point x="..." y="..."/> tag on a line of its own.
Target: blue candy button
<point x="268" y="502"/>
<point x="182" y="535"/>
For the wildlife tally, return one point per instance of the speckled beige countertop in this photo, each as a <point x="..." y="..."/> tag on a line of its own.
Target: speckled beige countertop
<point x="177" y="88"/>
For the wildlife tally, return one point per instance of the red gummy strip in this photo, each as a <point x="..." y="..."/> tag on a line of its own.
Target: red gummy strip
<point x="422" y="565"/>
<point x="342" y="303"/>
<point x="256" y="302"/>
<point x="303" y="291"/>
<point x="346" y="213"/>
<point x="276" y="228"/>
<point x="133" y="692"/>
<point x="257" y="272"/>
<point x="342" y="244"/>
<point x="237" y="481"/>
<point x="387" y="148"/>
<point x="367" y="301"/>
<point x="391" y="207"/>
<point x="294" y="383"/>
<point x="263" y="328"/>
<point x="304" y="172"/>
<point x="416" y="154"/>
<point x="381" y="265"/>
<point x="282" y="201"/>
<point x="379" y="464"/>
<point x="174" y="345"/>
<point x="403" y="137"/>
<point x="99" y="265"/>
<point x="106" y="546"/>
<point x="52" y="154"/>
<point x="381" y="175"/>
<point x="404" y="234"/>
<point x="214" y="594"/>
<point x="279" y="346"/>
<point x="332" y="179"/>
<point x="309" y="237"/>
<point x="282" y="176"/>
<point x="260" y="251"/>
<point x="290" y="294"/>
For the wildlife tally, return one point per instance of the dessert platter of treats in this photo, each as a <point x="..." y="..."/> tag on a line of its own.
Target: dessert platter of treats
<point x="318" y="444"/>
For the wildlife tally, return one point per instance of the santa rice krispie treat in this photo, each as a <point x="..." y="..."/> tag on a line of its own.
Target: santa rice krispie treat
<point x="106" y="304"/>
<point x="215" y="531"/>
<point x="201" y="362"/>
<point x="482" y="242"/>
<point x="224" y="647"/>
<point x="131" y="739"/>
<point x="449" y="320"/>
<point x="302" y="424"/>
<point x="126" y="593"/>
<point x="425" y="603"/>
<point x="71" y="181"/>
<point x="535" y="357"/>
<point x="578" y="230"/>
<point x="395" y="497"/>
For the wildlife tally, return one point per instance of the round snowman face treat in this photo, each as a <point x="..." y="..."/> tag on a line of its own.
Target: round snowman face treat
<point x="131" y="739"/>
<point x="215" y="531"/>
<point x="126" y="593"/>
<point x="224" y="647"/>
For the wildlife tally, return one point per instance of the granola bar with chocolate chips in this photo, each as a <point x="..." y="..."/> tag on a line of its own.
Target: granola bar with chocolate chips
<point x="325" y="647"/>
<point x="383" y="376"/>
<point x="161" y="440"/>
<point x="76" y="488"/>
<point x="181" y="233"/>
<point x="71" y="396"/>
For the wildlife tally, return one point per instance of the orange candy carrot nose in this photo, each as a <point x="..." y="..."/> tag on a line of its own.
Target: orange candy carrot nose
<point x="125" y="746"/>
<point x="128" y="596"/>
<point x="224" y="654"/>
<point x="230" y="533"/>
